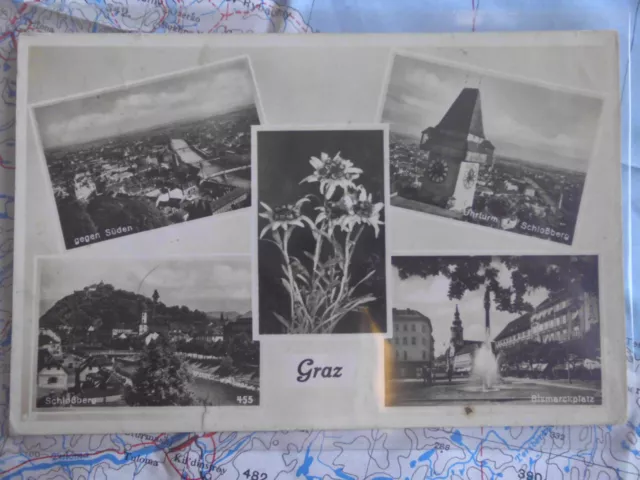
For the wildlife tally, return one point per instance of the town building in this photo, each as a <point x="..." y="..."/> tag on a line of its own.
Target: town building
<point x="460" y="353"/>
<point x="241" y="325"/>
<point x="456" y="147"/>
<point x="52" y="379"/>
<point x="561" y="317"/>
<point x="412" y="343"/>
<point x="516" y="331"/>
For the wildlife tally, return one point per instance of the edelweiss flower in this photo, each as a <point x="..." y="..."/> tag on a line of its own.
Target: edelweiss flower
<point x="284" y="216"/>
<point x="332" y="173"/>
<point x="332" y="213"/>
<point x="362" y="210"/>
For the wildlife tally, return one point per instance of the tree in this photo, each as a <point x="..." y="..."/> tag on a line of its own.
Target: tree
<point x="161" y="380"/>
<point x="75" y="221"/>
<point x="528" y="273"/>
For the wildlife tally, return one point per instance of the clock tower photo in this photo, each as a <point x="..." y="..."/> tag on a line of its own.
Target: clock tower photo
<point x="455" y="148"/>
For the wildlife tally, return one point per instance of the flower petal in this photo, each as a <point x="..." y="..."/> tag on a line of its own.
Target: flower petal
<point x="264" y="230"/>
<point x="324" y="157"/>
<point x="310" y="179"/>
<point x="316" y="163"/>
<point x="267" y="215"/>
<point x="266" y="207"/>
<point x="330" y="190"/>
<point x="377" y="207"/>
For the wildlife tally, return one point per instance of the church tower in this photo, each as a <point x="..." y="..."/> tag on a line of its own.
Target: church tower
<point x="457" y="338"/>
<point x="143" y="328"/>
<point x="456" y="147"/>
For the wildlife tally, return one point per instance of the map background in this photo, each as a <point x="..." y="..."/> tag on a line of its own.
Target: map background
<point x="558" y="452"/>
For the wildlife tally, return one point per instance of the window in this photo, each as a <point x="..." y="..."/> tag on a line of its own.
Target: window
<point x="405" y="354"/>
<point x="397" y="327"/>
<point x="413" y="340"/>
<point x="424" y="328"/>
<point x="404" y="327"/>
<point x="424" y="341"/>
<point x="397" y="355"/>
<point x="52" y="380"/>
<point x="424" y="355"/>
<point x="413" y="327"/>
<point x="397" y="341"/>
<point x="404" y="341"/>
<point x="418" y="372"/>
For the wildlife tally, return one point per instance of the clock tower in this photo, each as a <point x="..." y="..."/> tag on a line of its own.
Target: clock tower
<point x="455" y="148"/>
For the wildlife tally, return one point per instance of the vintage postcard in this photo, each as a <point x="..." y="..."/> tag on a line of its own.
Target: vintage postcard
<point x="146" y="332"/>
<point x="500" y="329"/>
<point x="321" y="225"/>
<point x="487" y="149"/>
<point x="160" y="152"/>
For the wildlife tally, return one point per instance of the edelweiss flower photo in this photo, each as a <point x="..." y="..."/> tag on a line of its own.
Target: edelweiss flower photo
<point x="321" y="248"/>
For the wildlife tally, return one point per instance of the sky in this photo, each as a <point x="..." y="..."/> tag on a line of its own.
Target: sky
<point x="526" y="121"/>
<point x="210" y="90"/>
<point x="203" y="283"/>
<point x="429" y="297"/>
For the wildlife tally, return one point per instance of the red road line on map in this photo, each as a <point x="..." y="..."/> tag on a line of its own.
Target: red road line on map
<point x="99" y="452"/>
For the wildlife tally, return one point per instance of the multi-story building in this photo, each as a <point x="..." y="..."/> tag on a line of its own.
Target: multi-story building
<point x="412" y="342"/>
<point x="516" y="331"/>
<point x="561" y="317"/>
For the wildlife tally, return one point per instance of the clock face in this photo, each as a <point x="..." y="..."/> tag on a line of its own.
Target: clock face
<point x="437" y="170"/>
<point x="469" y="178"/>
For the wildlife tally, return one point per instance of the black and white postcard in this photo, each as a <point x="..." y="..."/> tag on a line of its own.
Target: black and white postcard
<point x="506" y="329"/>
<point x="320" y="222"/>
<point x="483" y="148"/>
<point x="168" y="150"/>
<point x="125" y="332"/>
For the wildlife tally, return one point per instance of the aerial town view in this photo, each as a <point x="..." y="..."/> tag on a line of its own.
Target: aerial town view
<point x="150" y="163"/>
<point x="488" y="150"/>
<point x="111" y="343"/>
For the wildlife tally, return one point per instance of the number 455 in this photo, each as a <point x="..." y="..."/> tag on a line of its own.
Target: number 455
<point x="244" y="399"/>
<point x="255" y="475"/>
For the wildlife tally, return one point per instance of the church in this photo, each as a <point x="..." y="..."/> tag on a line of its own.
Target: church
<point x="454" y="150"/>
<point x="460" y="353"/>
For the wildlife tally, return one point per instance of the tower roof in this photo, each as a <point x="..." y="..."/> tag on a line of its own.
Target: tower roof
<point x="456" y="318"/>
<point x="465" y="114"/>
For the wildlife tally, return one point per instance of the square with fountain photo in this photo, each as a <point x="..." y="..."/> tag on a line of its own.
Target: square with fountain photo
<point x="320" y="228"/>
<point x="146" y="332"/>
<point x="157" y="152"/>
<point x="494" y="329"/>
<point x="485" y="148"/>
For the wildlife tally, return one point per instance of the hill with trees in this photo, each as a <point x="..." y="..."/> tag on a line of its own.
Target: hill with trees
<point x="105" y="308"/>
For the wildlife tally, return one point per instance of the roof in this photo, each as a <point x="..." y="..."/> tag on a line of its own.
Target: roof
<point x="465" y="114"/>
<point x="244" y="317"/>
<point x="552" y="299"/>
<point x="408" y="314"/>
<point x="519" y="325"/>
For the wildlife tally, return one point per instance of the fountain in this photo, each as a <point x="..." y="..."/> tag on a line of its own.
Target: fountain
<point x="485" y="374"/>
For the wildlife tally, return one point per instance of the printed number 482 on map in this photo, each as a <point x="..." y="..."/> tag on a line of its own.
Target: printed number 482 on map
<point x="244" y="399"/>
<point x="255" y="475"/>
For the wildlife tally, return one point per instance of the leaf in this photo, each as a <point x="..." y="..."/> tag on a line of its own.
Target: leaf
<point x="282" y="320"/>
<point x="286" y="285"/>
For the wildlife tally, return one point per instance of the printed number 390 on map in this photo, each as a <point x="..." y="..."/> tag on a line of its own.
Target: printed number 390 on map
<point x="522" y="473"/>
<point x="244" y="399"/>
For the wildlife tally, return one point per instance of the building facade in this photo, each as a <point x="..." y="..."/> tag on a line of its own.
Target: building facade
<point x="412" y="343"/>
<point x="560" y="318"/>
